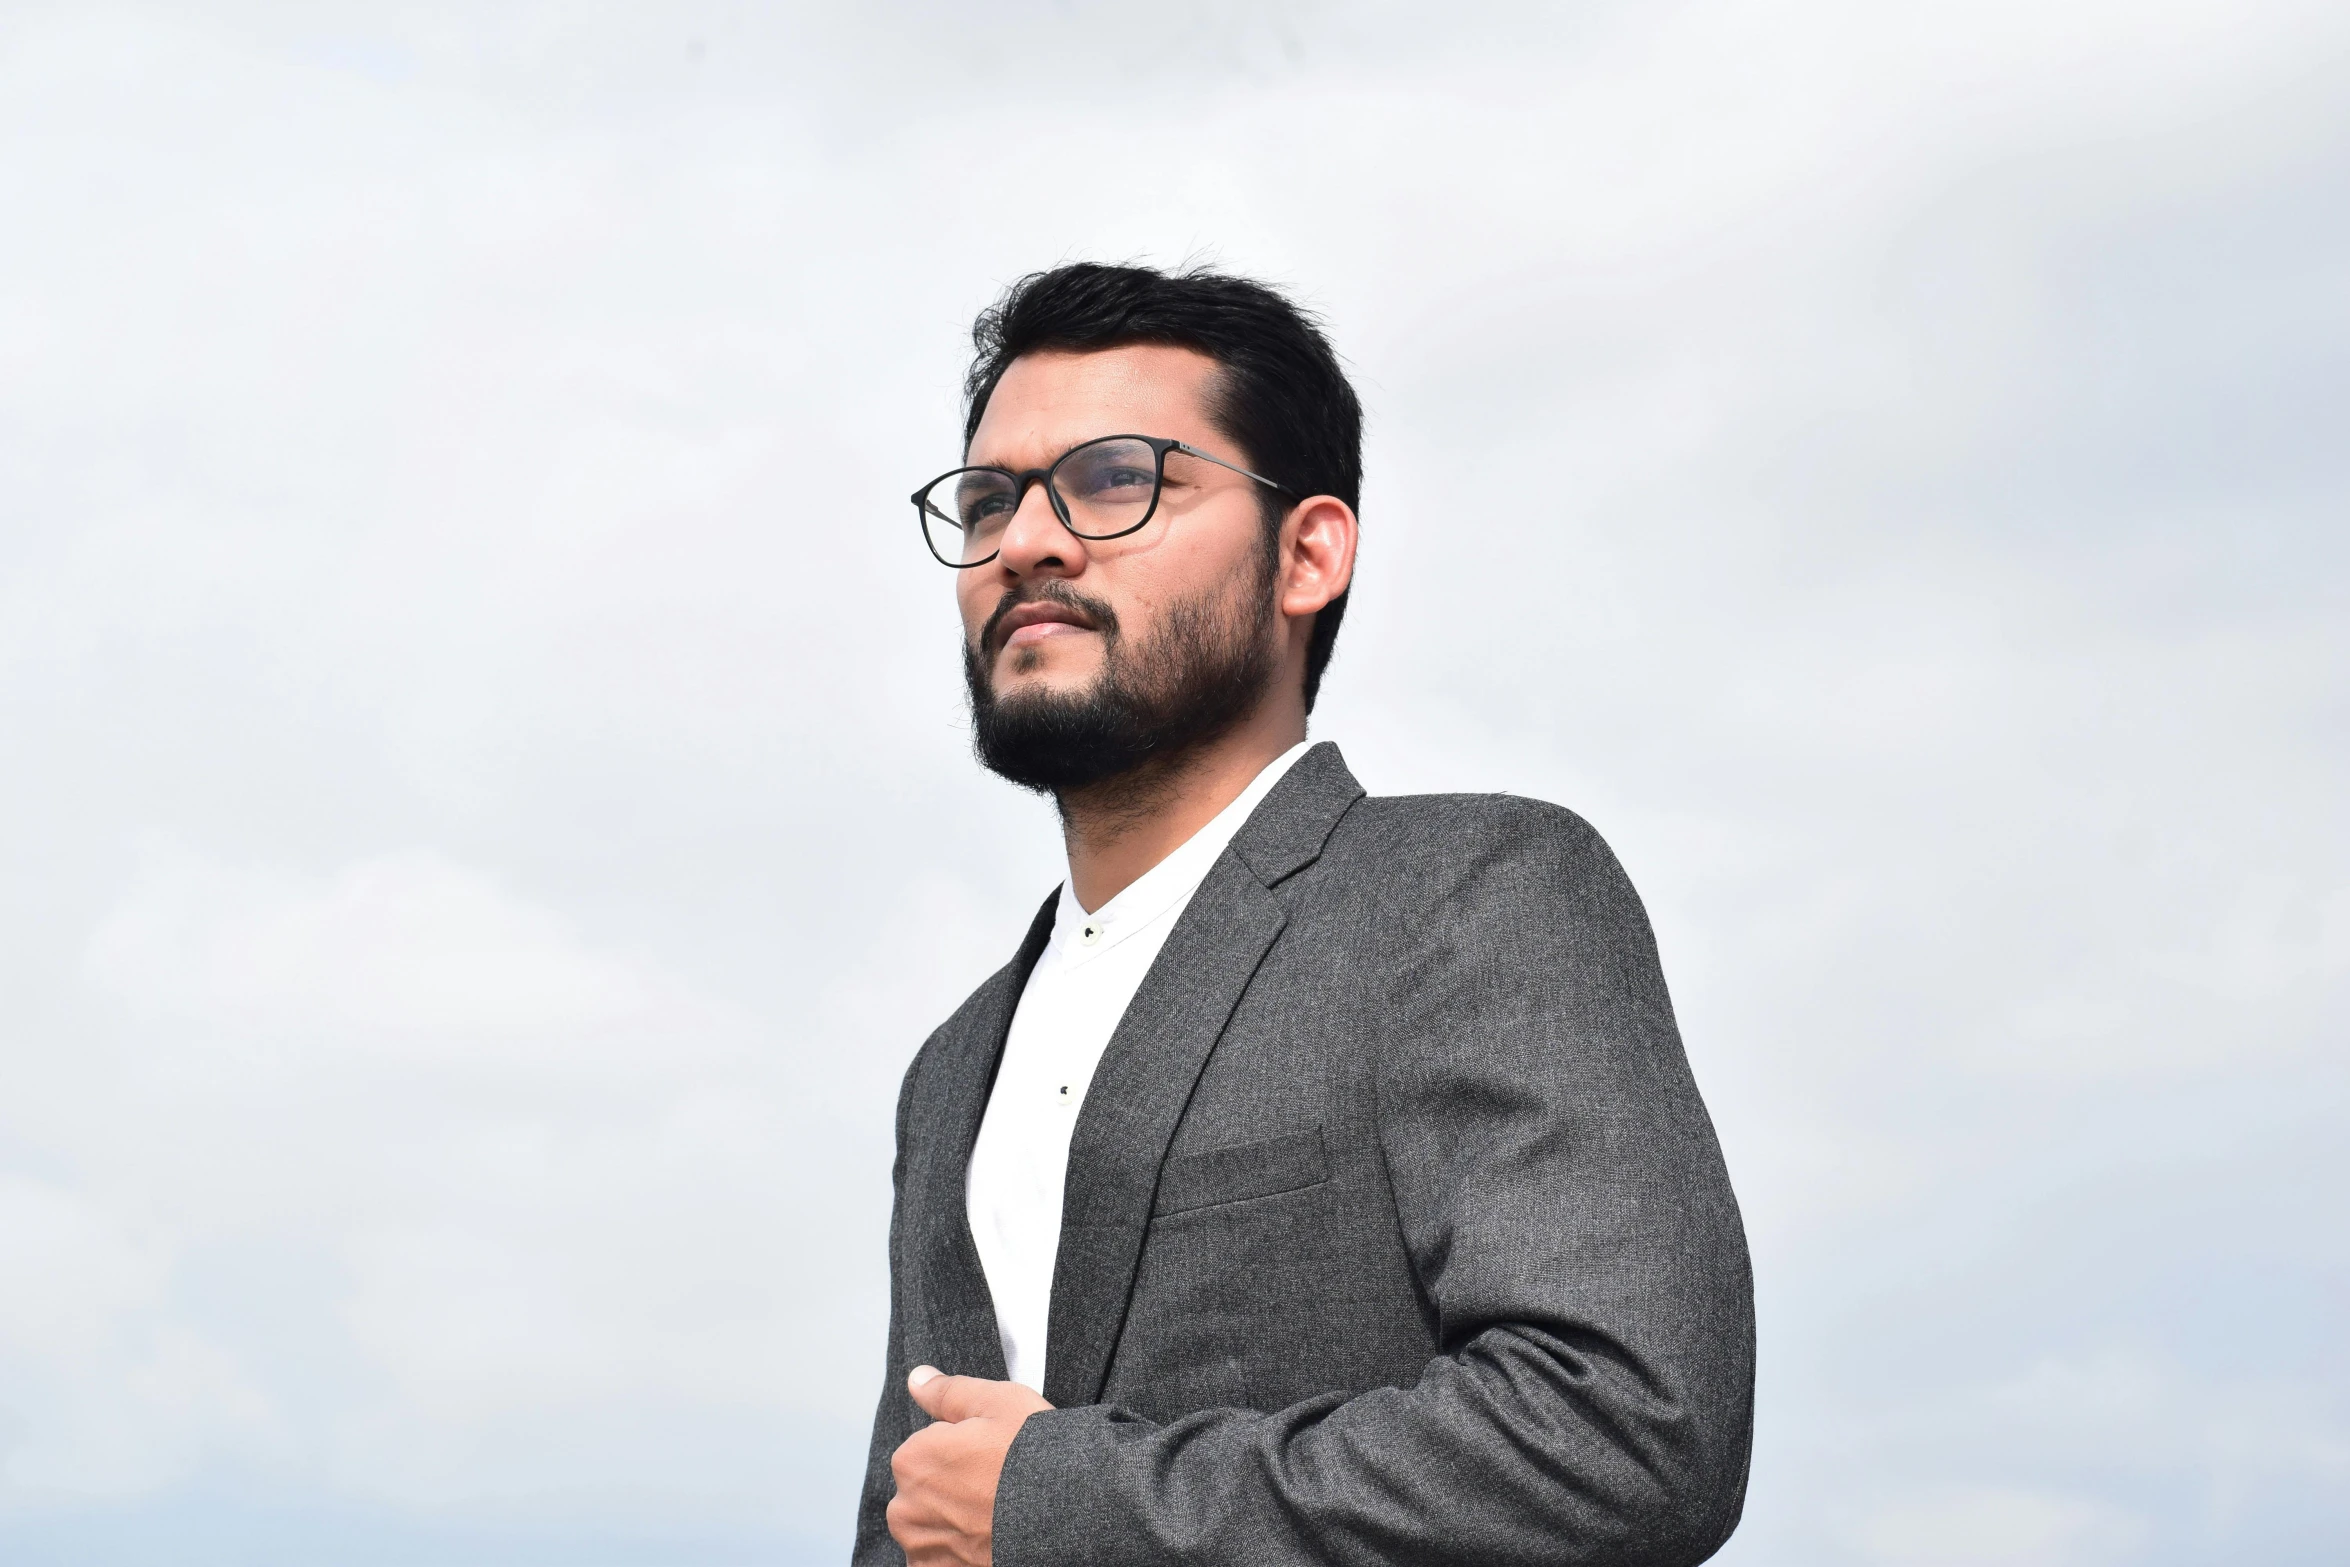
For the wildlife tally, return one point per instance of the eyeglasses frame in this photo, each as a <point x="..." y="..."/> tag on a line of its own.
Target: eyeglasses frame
<point x="1024" y="478"/>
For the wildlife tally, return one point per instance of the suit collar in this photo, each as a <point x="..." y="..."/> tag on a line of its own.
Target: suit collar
<point x="944" y="1259"/>
<point x="1155" y="1057"/>
<point x="1130" y="1114"/>
<point x="1286" y="832"/>
<point x="1131" y="1110"/>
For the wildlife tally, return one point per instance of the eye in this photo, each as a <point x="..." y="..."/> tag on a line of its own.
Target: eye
<point x="982" y="504"/>
<point x="1117" y="479"/>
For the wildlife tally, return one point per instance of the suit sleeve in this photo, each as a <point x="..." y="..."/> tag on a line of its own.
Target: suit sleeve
<point x="1571" y="1226"/>
<point x="896" y="1416"/>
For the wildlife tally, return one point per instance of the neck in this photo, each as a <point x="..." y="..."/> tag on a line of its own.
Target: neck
<point x="1119" y="828"/>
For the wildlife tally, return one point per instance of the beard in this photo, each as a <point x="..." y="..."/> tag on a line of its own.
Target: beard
<point x="1153" y="703"/>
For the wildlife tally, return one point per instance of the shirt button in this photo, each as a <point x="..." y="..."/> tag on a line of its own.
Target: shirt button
<point x="1092" y="934"/>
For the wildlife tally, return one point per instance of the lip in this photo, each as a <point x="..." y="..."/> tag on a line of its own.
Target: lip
<point x="1035" y="621"/>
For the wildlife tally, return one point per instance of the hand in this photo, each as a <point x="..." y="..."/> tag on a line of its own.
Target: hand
<point x="944" y="1512"/>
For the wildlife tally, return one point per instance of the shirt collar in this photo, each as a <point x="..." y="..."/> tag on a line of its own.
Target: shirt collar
<point x="1146" y="900"/>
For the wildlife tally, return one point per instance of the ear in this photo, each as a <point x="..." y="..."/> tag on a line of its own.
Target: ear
<point x="1317" y="554"/>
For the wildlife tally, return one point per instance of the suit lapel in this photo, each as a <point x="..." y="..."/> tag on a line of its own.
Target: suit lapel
<point x="942" y="1258"/>
<point x="1154" y="1058"/>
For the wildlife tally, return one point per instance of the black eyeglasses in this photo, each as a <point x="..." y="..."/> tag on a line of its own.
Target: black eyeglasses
<point x="1104" y="489"/>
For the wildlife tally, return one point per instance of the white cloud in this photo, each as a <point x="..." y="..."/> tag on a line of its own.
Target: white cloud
<point x="410" y="950"/>
<point x="1877" y="463"/>
<point x="1998" y="1528"/>
<point x="74" y="1271"/>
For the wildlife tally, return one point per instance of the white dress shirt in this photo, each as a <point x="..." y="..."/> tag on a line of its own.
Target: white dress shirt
<point x="1078" y="991"/>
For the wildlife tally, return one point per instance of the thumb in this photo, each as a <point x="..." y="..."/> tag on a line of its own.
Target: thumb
<point x="960" y="1398"/>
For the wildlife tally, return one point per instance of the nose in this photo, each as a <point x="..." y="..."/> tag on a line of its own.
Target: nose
<point x="1035" y="543"/>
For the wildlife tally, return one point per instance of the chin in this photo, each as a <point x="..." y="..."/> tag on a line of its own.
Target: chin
<point x="1042" y="666"/>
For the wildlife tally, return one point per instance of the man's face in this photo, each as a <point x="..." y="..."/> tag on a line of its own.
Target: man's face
<point x="1087" y="657"/>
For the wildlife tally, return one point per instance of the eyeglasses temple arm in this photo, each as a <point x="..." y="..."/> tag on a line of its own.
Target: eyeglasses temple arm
<point x="1193" y="451"/>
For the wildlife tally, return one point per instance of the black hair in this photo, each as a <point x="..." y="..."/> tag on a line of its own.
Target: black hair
<point x="1281" y="398"/>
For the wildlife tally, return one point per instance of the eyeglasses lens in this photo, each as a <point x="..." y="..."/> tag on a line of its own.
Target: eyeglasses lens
<point x="965" y="514"/>
<point x="1105" y="487"/>
<point x="1109" y="486"/>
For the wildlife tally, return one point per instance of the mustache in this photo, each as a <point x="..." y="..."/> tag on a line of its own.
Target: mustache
<point x="1048" y="590"/>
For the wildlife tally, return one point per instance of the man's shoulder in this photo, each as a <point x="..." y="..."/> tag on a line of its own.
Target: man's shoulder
<point x="1447" y="857"/>
<point x="1410" y="832"/>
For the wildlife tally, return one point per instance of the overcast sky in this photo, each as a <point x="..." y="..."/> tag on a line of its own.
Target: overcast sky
<point x="486" y="816"/>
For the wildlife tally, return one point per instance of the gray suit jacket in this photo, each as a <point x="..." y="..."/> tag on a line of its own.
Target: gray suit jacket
<point x="1395" y="1229"/>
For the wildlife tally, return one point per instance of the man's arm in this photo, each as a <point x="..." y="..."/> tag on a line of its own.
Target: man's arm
<point x="896" y="1417"/>
<point x="1572" y="1227"/>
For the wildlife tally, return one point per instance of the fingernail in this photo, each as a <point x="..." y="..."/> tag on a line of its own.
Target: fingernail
<point x="920" y="1375"/>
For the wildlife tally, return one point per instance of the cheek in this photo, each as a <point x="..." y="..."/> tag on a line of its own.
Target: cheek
<point x="972" y="603"/>
<point x="1196" y="571"/>
<point x="1225" y="550"/>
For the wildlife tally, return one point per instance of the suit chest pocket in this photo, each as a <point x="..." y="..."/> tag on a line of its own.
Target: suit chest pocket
<point x="1265" y="1168"/>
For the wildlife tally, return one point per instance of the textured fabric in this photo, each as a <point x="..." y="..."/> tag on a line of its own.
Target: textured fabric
<point x="1394" y="1230"/>
<point x="1081" y="986"/>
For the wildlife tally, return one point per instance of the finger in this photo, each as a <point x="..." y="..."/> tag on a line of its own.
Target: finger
<point x="960" y="1398"/>
<point x="915" y="1529"/>
<point x="911" y="1458"/>
<point x="940" y="1396"/>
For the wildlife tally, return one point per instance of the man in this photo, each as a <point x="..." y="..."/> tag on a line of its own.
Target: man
<point x="1322" y="1180"/>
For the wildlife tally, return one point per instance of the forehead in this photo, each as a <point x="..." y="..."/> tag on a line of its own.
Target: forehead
<point x="1048" y="402"/>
